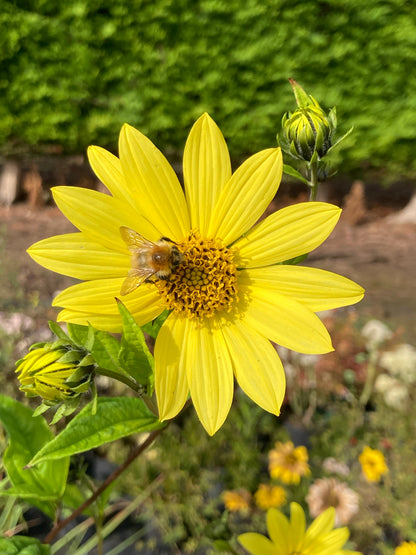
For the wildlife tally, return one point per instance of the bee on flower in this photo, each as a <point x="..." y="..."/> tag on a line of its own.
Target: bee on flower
<point x="200" y="254"/>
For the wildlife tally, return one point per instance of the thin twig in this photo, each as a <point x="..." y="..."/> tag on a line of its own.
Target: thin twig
<point x="135" y="453"/>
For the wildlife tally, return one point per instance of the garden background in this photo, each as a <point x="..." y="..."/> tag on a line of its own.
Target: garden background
<point x="72" y="73"/>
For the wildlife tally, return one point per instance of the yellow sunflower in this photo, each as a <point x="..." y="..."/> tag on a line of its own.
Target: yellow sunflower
<point x="290" y="537"/>
<point x="229" y="295"/>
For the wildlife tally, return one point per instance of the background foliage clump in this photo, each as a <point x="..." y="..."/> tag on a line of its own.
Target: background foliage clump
<point x="72" y="73"/>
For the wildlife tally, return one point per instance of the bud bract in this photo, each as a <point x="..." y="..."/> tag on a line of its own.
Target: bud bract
<point x="307" y="132"/>
<point x="55" y="371"/>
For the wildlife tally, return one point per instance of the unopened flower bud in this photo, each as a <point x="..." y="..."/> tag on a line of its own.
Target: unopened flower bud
<point x="308" y="131"/>
<point x="55" y="371"/>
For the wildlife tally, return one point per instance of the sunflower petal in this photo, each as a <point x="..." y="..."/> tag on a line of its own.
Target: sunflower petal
<point x="331" y="543"/>
<point x="105" y="322"/>
<point x="210" y="374"/>
<point x="289" y="232"/>
<point x="75" y="256"/>
<point x="246" y="195"/>
<point x="152" y="180"/>
<point x="285" y="321"/>
<point x="256" y="544"/>
<point x="257" y="366"/>
<point x="278" y="527"/>
<point x="98" y="297"/>
<point x="297" y="526"/>
<point x="206" y="168"/>
<point x="100" y="216"/>
<point x="171" y="382"/>
<point x="315" y="288"/>
<point x="322" y="525"/>
<point x="107" y="168"/>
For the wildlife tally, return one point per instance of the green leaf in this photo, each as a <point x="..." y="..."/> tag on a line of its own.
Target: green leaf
<point x="152" y="328"/>
<point x="134" y="355"/>
<point x="222" y="546"/>
<point x="73" y="498"/>
<point x="105" y="351"/>
<point x="296" y="260"/>
<point x="83" y="336"/>
<point x="27" y="435"/>
<point x="294" y="173"/>
<point x="57" y="330"/>
<point x="340" y="140"/>
<point x="23" y="545"/>
<point x="114" y="418"/>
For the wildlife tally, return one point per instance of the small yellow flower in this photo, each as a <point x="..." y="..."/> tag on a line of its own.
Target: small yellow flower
<point x="268" y="496"/>
<point x="288" y="463"/>
<point x="406" y="548"/>
<point x="373" y="464"/>
<point x="292" y="538"/>
<point x="235" y="501"/>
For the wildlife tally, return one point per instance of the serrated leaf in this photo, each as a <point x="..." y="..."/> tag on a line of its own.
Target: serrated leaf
<point x="294" y="173"/>
<point x="27" y="435"/>
<point x="23" y="545"/>
<point x="114" y="418"/>
<point x="134" y="355"/>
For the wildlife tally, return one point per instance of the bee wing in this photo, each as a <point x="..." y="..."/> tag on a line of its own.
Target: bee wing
<point x="135" y="242"/>
<point x="135" y="277"/>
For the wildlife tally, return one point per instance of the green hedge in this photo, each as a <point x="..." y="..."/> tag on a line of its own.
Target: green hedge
<point x="72" y="73"/>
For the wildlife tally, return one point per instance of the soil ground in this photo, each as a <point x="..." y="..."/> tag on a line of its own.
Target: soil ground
<point x="378" y="255"/>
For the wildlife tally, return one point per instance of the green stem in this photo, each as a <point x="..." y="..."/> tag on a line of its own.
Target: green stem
<point x="120" y="377"/>
<point x="313" y="181"/>
<point x="133" y="455"/>
<point x="370" y="378"/>
<point x="138" y="388"/>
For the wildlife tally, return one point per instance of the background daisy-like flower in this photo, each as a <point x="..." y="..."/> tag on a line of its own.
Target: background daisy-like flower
<point x="373" y="464"/>
<point x="236" y="501"/>
<point x="329" y="492"/>
<point x="229" y="297"/>
<point x="289" y="537"/>
<point x="288" y="463"/>
<point x="268" y="496"/>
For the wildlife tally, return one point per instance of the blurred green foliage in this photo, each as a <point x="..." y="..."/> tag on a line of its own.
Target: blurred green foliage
<point x="72" y="73"/>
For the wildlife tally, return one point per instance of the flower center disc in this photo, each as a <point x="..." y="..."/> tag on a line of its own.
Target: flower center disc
<point x="205" y="282"/>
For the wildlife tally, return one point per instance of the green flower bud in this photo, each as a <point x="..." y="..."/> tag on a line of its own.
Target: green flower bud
<point x="55" y="371"/>
<point x="307" y="133"/>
